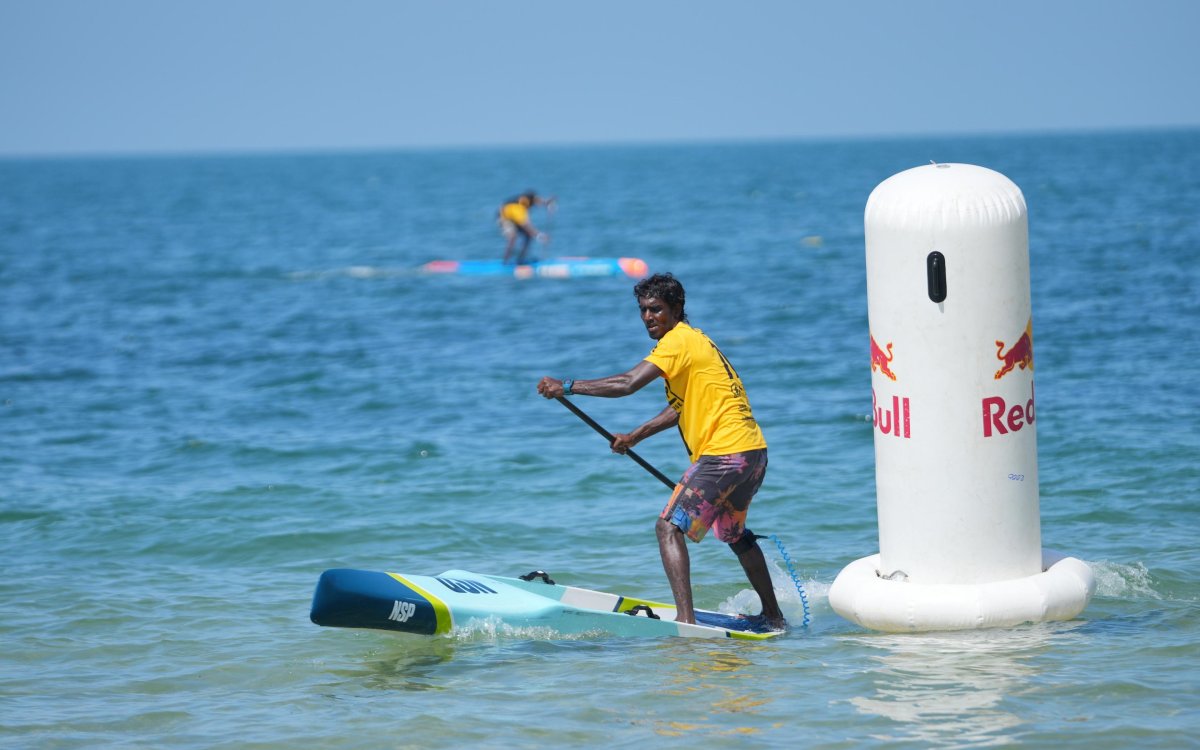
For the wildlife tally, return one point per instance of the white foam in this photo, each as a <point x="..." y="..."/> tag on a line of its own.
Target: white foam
<point x="493" y="628"/>
<point x="1123" y="581"/>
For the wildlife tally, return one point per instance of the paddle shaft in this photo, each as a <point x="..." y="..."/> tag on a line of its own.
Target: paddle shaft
<point x="629" y="452"/>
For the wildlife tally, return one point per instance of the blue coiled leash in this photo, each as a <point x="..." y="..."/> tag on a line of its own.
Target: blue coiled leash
<point x="787" y="560"/>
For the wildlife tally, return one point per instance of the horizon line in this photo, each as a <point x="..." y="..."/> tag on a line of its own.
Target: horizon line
<point x="333" y="150"/>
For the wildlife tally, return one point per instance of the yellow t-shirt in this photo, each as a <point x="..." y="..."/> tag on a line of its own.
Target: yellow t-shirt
<point x="714" y="413"/>
<point x="515" y="212"/>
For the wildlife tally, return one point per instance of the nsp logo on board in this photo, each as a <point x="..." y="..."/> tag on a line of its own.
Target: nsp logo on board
<point x="401" y="611"/>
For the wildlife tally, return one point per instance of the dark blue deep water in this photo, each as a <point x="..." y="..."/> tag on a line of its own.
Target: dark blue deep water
<point x="220" y="376"/>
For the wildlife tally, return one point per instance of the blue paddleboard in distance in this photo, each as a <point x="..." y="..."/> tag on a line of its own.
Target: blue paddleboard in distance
<point x="549" y="268"/>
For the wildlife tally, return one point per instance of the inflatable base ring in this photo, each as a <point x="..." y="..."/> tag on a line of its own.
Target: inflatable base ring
<point x="1059" y="592"/>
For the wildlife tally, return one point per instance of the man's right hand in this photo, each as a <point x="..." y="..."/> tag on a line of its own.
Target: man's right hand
<point x="622" y="442"/>
<point x="550" y="387"/>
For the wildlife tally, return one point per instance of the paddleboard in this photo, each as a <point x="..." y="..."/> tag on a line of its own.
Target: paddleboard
<point x="433" y="605"/>
<point x="549" y="268"/>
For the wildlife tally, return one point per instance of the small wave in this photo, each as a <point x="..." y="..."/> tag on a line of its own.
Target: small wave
<point x="1124" y="581"/>
<point x="57" y="375"/>
<point x="746" y="601"/>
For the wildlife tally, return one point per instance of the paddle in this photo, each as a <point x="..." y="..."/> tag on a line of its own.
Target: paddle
<point x="596" y="426"/>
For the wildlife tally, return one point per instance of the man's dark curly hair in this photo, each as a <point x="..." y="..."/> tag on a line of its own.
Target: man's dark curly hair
<point x="665" y="287"/>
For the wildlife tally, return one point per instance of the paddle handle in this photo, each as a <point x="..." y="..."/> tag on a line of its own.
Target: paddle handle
<point x="629" y="452"/>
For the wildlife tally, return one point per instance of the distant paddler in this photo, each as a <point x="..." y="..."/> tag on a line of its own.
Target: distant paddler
<point x="707" y="401"/>
<point x="513" y="218"/>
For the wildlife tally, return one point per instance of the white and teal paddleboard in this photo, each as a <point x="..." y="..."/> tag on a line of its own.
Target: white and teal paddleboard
<point x="431" y="605"/>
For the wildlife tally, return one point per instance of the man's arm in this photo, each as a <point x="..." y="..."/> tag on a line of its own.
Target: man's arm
<point x="613" y="386"/>
<point x="666" y="419"/>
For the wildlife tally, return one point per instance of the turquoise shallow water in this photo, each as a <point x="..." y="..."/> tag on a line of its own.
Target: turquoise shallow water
<point x="220" y="376"/>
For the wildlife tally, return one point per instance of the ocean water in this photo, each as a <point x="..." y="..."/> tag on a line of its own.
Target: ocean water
<point x="220" y="375"/>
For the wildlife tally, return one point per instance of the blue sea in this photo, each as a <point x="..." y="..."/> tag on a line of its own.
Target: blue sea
<point x="222" y="375"/>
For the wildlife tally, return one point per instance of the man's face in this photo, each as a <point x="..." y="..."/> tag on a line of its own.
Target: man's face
<point x="657" y="316"/>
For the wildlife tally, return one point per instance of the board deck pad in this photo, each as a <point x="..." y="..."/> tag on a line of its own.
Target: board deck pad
<point x="434" y="605"/>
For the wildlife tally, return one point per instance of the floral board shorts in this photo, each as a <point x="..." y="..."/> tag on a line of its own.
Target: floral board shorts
<point x="716" y="492"/>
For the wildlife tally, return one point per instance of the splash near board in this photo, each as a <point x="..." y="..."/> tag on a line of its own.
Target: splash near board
<point x="550" y="268"/>
<point x="433" y="605"/>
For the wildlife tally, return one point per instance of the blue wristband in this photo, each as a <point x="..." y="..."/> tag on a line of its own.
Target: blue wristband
<point x="567" y="383"/>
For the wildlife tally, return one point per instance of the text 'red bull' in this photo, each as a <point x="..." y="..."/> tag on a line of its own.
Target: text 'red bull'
<point x="999" y="418"/>
<point x="896" y="421"/>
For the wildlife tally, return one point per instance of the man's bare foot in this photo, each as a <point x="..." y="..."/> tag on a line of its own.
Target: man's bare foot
<point x="762" y="621"/>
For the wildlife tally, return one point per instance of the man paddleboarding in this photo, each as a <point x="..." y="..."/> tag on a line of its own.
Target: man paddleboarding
<point x="513" y="218"/>
<point x="707" y="402"/>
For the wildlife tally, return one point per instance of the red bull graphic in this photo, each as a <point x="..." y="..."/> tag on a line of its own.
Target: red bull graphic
<point x="895" y="421"/>
<point x="880" y="359"/>
<point x="1019" y="354"/>
<point x="1000" y="419"/>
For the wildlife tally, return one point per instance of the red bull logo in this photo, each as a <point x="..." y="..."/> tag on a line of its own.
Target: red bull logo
<point x="1000" y="419"/>
<point x="895" y="421"/>
<point x="880" y="359"/>
<point x="1019" y="354"/>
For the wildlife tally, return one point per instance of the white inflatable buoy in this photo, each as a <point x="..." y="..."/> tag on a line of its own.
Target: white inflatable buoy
<point x="954" y="412"/>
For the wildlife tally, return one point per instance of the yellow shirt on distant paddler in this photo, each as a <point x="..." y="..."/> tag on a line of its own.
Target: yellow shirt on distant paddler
<point x="714" y="413"/>
<point x="516" y="212"/>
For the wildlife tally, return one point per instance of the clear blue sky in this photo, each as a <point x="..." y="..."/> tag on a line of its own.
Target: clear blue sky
<point x="101" y="76"/>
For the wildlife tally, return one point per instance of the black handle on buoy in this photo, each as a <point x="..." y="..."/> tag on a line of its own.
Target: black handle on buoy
<point x="935" y="272"/>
